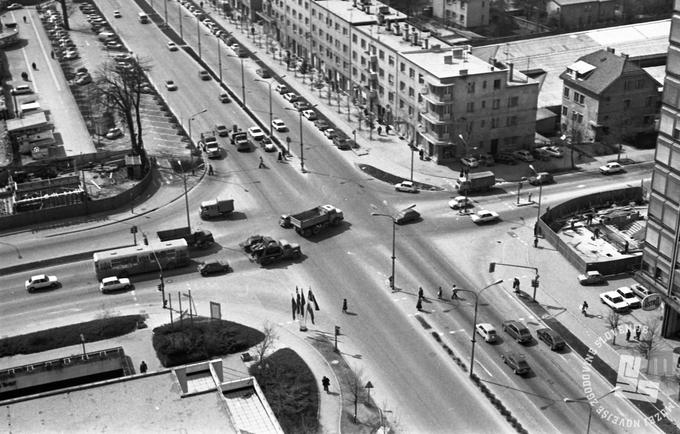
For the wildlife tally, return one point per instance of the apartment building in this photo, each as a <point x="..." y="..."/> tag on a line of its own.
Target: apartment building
<point x="462" y="13"/>
<point x="660" y="259"/>
<point x="580" y="14"/>
<point x="608" y="98"/>
<point x="290" y="25"/>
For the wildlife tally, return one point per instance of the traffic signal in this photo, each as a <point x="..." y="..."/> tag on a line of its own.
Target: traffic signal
<point x="492" y="267"/>
<point x="337" y="330"/>
<point x="161" y="287"/>
<point x="534" y="282"/>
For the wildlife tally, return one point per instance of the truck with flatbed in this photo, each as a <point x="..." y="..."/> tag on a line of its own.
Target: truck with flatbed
<point x="274" y="251"/>
<point x="198" y="239"/>
<point x="240" y="140"/>
<point x="476" y="181"/>
<point x="216" y="208"/>
<point x="312" y="221"/>
<point x="210" y="145"/>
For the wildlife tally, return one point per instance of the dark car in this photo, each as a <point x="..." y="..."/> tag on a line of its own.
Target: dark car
<point x="263" y="72"/>
<point x="342" y="142"/>
<point x="407" y="215"/>
<point x="212" y="267"/>
<point x="550" y="337"/>
<point x="505" y="158"/>
<point x="321" y="124"/>
<point x="541" y="178"/>
<point x="516" y="362"/>
<point x="517" y="331"/>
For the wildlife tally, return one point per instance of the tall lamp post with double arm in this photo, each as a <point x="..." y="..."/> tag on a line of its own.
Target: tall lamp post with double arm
<point x="268" y="83"/>
<point x="302" y="148"/>
<point x="394" y="240"/>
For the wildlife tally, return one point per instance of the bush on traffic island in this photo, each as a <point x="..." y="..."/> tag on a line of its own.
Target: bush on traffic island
<point x="291" y="390"/>
<point x="201" y="339"/>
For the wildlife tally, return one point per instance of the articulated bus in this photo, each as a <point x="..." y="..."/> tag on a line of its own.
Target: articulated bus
<point x="141" y="259"/>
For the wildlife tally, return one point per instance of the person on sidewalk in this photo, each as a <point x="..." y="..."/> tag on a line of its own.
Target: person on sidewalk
<point x="454" y="292"/>
<point x="419" y="305"/>
<point x="421" y="293"/>
<point x="529" y="198"/>
<point x="261" y="163"/>
<point x="344" y="305"/>
<point x="211" y="172"/>
<point x="535" y="242"/>
<point x="325" y="382"/>
<point x="628" y="335"/>
<point x="638" y="332"/>
<point x="439" y="293"/>
<point x="143" y="367"/>
<point x="584" y="308"/>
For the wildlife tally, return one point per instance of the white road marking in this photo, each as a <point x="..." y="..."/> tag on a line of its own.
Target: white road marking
<point x="487" y="371"/>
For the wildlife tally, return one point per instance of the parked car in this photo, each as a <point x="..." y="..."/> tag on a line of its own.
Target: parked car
<point x="541" y="178"/>
<point x="15" y="6"/>
<point x="640" y="290"/>
<point x="309" y="114"/>
<point x="614" y="300"/>
<point x="553" y="151"/>
<point x="212" y="267"/>
<point x="170" y="85"/>
<point x="470" y="162"/>
<point x="109" y="284"/>
<point x="523" y="155"/>
<point x="611" y="168"/>
<point x="282" y="89"/>
<point x="540" y="154"/>
<point x="71" y="55"/>
<point x="256" y="133"/>
<point x="279" y="125"/>
<point x="406" y="187"/>
<point x="484" y="216"/>
<point x="506" y="158"/>
<point x="461" y="202"/>
<point x="41" y="281"/>
<point x="551" y="337"/>
<point x="290" y="97"/>
<point x="629" y="297"/>
<point x="224" y="98"/>
<point x="268" y="145"/>
<point x="406" y="215"/>
<point x="114" y="133"/>
<point x="342" y="142"/>
<point x="516" y="362"/>
<point x="329" y="133"/>
<point x="487" y="332"/>
<point x="517" y="331"/>
<point x="204" y="75"/>
<point x="591" y="278"/>
<point x="172" y="46"/>
<point x="321" y="124"/>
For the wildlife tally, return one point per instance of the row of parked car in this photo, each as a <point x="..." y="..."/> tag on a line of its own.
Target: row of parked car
<point x="540" y="153"/>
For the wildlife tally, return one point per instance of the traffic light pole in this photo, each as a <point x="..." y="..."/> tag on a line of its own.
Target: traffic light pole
<point x="534" y="281"/>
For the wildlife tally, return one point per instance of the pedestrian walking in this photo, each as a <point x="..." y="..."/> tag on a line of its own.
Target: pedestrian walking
<point x="628" y="335"/>
<point x="584" y="308"/>
<point x="344" y="305"/>
<point x="454" y="292"/>
<point x="535" y="242"/>
<point x="143" y="367"/>
<point x="379" y="130"/>
<point x="261" y="163"/>
<point x="52" y="54"/>
<point x="529" y="197"/>
<point x="638" y="332"/>
<point x="211" y="172"/>
<point x="35" y="67"/>
<point x="325" y="382"/>
<point x="146" y="241"/>
<point x="515" y="285"/>
<point x="419" y="305"/>
<point x="439" y="293"/>
<point x="421" y="153"/>
<point x="24" y="18"/>
<point x="421" y="293"/>
<point x="280" y="156"/>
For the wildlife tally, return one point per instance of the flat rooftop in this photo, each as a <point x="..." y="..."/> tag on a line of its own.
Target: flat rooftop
<point x="552" y="54"/>
<point x="433" y="62"/>
<point x="347" y="12"/>
<point x="397" y="42"/>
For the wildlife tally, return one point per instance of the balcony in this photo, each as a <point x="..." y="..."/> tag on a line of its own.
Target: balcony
<point x="434" y="138"/>
<point x="437" y="118"/>
<point x="436" y="97"/>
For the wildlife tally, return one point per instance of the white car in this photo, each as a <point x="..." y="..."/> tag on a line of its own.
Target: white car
<point x="553" y="151"/>
<point x="109" y="284"/>
<point x="484" y="216"/>
<point x="290" y="97"/>
<point x="172" y="46"/>
<point x="40" y="281"/>
<point x="470" y="162"/>
<point x="279" y="125"/>
<point x="460" y="202"/>
<point x="523" y="155"/>
<point x="640" y="290"/>
<point x="629" y="296"/>
<point x="71" y="55"/>
<point x="487" y="332"/>
<point x="309" y="114"/>
<point x="114" y="133"/>
<point x="611" y="168"/>
<point x="614" y="300"/>
<point x="329" y="133"/>
<point x="170" y="85"/>
<point x="591" y="278"/>
<point x="406" y="187"/>
<point x="14" y="6"/>
<point x="256" y="133"/>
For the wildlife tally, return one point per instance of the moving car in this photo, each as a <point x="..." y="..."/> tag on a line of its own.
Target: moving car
<point x="40" y="281"/>
<point x="224" y="98"/>
<point x="470" y="162"/>
<point x="290" y="97"/>
<point x="640" y="290"/>
<point x="629" y="297"/>
<point x="309" y="114"/>
<point x="268" y="145"/>
<point x="170" y="85"/>
<point x="550" y="337"/>
<point x="591" y="278"/>
<point x="204" y="75"/>
<point x="172" y="46"/>
<point x="553" y="151"/>
<point x="523" y="155"/>
<point x="109" y="284"/>
<point x="116" y="14"/>
<point x="279" y="125"/>
<point x="406" y="215"/>
<point x="611" y="168"/>
<point x="114" y="133"/>
<point x="15" y="6"/>
<point x="212" y="267"/>
<point x="221" y="130"/>
<point x="487" y="332"/>
<point x="406" y="187"/>
<point x="541" y="178"/>
<point x="461" y="202"/>
<point x="256" y="133"/>
<point x="614" y="300"/>
<point x="484" y="216"/>
<point x="516" y="362"/>
<point x="517" y="331"/>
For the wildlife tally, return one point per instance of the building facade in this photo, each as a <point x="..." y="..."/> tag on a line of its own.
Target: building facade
<point x="462" y="13"/>
<point x="660" y="260"/>
<point x="583" y="14"/>
<point x="607" y="98"/>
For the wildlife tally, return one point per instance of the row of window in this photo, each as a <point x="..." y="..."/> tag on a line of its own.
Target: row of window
<point x="471" y="85"/>
<point x="512" y="101"/>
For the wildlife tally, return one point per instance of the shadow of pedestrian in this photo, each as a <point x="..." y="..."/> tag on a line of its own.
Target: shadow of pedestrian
<point x="349" y="312"/>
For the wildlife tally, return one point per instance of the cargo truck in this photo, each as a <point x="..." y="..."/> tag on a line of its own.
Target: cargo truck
<point x="476" y="181"/>
<point x="199" y="239"/>
<point x="240" y="140"/>
<point x="216" y="208"/>
<point x="273" y="251"/>
<point x="312" y="221"/>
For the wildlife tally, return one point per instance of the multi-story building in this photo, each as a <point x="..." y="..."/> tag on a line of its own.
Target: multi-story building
<point x="661" y="252"/>
<point x="290" y="25"/>
<point x="608" y="98"/>
<point x="581" y="14"/>
<point x="462" y="13"/>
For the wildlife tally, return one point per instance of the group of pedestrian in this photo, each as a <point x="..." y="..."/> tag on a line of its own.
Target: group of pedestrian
<point x="638" y="333"/>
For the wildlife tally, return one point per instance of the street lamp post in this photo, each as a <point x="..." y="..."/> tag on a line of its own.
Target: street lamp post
<point x="243" y="83"/>
<point x="219" y="58"/>
<point x="474" y="320"/>
<point x="586" y="401"/>
<point x="540" y="196"/>
<point x="198" y="32"/>
<point x="191" y="153"/>
<point x="394" y="240"/>
<point x="179" y="13"/>
<point x="268" y="83"/>
<point x="186" y="195"/>
<point x="302" y="148"/>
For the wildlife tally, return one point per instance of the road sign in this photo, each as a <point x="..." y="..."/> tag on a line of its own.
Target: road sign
<point x="651" y="302"/>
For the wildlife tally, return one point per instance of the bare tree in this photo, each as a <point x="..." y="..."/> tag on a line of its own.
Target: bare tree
<point x="355" y="384"/>
<point x="267" y="342"/>
<point x="121" y="85"/>
<point x="650" y="340"/>
<point x="613" y="319"/>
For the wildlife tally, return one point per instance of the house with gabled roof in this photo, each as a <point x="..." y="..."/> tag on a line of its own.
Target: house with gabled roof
<point x="608" y="98"/>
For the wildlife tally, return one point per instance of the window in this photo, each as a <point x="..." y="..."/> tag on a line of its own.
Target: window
<point x="402" y="67"/>
<point x="402" y="86"/>
<point x="401" y="103"/>
<point x="411" y="92"/>
<point x="496" y="103"/>
<point x="648" y="101"/>
<point x="626" y="103"/>
<point x="471" y="87"/>
<point x="381" y="72"/>
<point x="484" y="84"/>
<point x="511" y="121"/>
<point x="363" y="43"/>
<point x="354" y="39"/>
<point x="411" y="73"/>
<point x="565" y="110"/>
<point x="470" y="107"/>
<point x="565" y="93"/>
<point x="390" y="60"/>
<point x="640" y="84"/>
<point x="381" y="55"/>
<point x="390" y="78"/>
<point x="497" y="84"/>
<point x="513" y="101"/>
<point x="421" y="79"/>
<point x="494" y="123"/>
